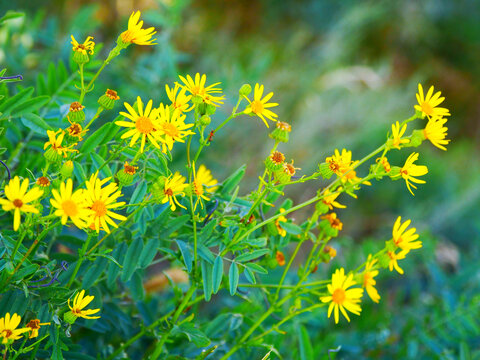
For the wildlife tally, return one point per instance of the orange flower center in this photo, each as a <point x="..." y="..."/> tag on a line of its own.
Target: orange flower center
<point x="76" y="106"/>
<point x="257" y="107"/>
<point x="69" y="208"/>
<point x="144" y="125"/>
<point x="338" y="296"/>
<point x="170" y="130"/>
<point x="128" y="36"/>
<point x="198" y="187"/>
<point x="333" y="166"/>
<point x="99" y="208"/>
<point x="18" y="203"/>
<point x="34" y="324"/>
<point x="75" y="129"/>
<point x="277" y="157"/>
<point x="112" y="94"/>
<point x="43" y="181"/>
<point x="367" y="278"/>
<point x="284" y="126"/>
<point x="426" y="108"/>
<point x="168" y="192"/>
<point x="7" y="333"/>
<point x="129" y="169"/>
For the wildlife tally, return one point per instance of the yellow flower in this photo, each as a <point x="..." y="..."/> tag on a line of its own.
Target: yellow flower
<point x="172" y="127"/>
<point x="179" y="99"/>
<point x="329" y="199"/>
<point x="428" y="105"/>
<point x="43" y="181"/>
<point x="410" y="170"/>
<point x="135" y="34"/>
<point x="394" y="258"/>
<point x="88" y="45"/>
<point x="341" y="297"/>
<point x="75" y="130"/>
<point x="280" y="257"/>
<point x="405" y="240"/>
<point x="174" y="185"/>
<point x="144" y="124"/>
<point x="33" y="327"/>
<point x="8" y="328"/>
<point x="335" y="223"/>
<point x="368" y="279"/>
<point x="18" y="199"/>
<point x="70" y="204"/>
<point x="260" y="106"/>
<point x="197" y="88"/>
<point x="436" y="132"/>
<point x="397" y="133"/>
<point x="101" y="201"/>
<point x="203" y="177"/>
<point x="281" y="231"/>
<point x="56" y="142"/>
<point x="79" y="303"/>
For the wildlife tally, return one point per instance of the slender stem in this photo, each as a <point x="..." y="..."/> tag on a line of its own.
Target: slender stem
<point x="233" y="116"/>
<point x="82" y="89"/>
<point x="99" y="110"/>
<point x="290" y="262"/>
<point x="80" y="260"/>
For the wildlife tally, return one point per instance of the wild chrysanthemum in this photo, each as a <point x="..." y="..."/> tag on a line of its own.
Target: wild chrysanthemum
<point x="197" y="88"/>
<point x="368" y="279"/>
<point x="75" y="130"/>
<point x="33" y="327"/>
<point x="403" y="238"/>
<point x="135" y="34"/>
<point x="341" y="297"/>
<point x="174" y="185"/>
<point x="101" y="200"/>
<point x="394" y="257"/>
<point x="260" y="106"/>
<point x="201" y="179"/>
<point x="144" y="124"/>
<point x="436" y="132"/>
<point x="87" y="46"/>
<point x="281" y="231"/>
<point x="69" y="204"/>
<point x="397" y="134"/>
<point x="8" y="328"/>
<point x="329" y="199"/>
<point x="80" y="301"/>
<point x="179" y="99"/>
<point x="410" y="170"/>
<point x="335" y="222"/>
<point x="428" y="104"/>
<point x="172" y="127"/>
<point x="18" y="199"/>
<point x="55" y="139"/>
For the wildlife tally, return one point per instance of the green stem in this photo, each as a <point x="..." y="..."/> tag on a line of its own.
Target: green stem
<point x="82" y="89"/>
<point x="80" y="260"/>
<point x="99" y="110"/>
<point x="290" y="262"/>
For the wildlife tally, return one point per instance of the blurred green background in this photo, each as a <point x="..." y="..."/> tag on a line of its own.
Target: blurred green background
<point x="342" y="72"/>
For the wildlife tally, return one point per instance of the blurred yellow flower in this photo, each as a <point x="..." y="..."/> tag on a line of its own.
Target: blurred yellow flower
<point x="8" y="328"/>
<point x="197" y="88"/>
<point x="329" y="199"/>
<point x="410" y="170"/>
<point x="260" y="106"/>
<point x="70" y="204"/>
<point x="436" y="132"/>
<point x="55" y="139"/>
<point x="281" y="231"/>
<point x="405" y="240"/>
<point x="201" y="179"/>
<point x="428" y="105"/>
<point x="393" y="263"/>
<point x="368" y="279"/>
<point x="80" y="301"/>
<point x="87" y="46"/>
<point x="33" y="327"/>
<point x="397" y="134"/>
<point x="135" y="34"/>
<point x="174" y="185"/>
<point x="335" y="222"/>
<point x="179" y="99"/>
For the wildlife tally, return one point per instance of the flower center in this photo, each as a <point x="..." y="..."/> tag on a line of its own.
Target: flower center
<point x="289" y="169"/>
<point x="257" y="107"/>
<point x="18" y="203"/>
<point x="198" y="187"/>
<point x="75" y="129"/>
<point x="99" y="208"/>
<point x="284" y="126"/>
<point x="34" y="324"/>
<point x="170" y="130"/>
<point x="277" y="157"/>
<point x="334" y="166"/>
<point x="129" y="169"/>
<point x="196" y="90"/>
<point x="168" y="192"/>
<point x="8" y="333"/>
<point x="69" y="208"/>
<point x="112" y="94"/>
<point x="76" y="106"/>
<point x="338" y="296"/>
<point x="144" y="125"/>
<point x="43" y="181"/>
<point x="367" y="279"/>
<point x="426" y="108"/>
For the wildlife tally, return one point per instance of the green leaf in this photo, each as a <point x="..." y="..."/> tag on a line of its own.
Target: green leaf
<point x="217" y="274"/>
<point x="252" y="255"/>
<point x="130" y="263"/>
<point x="96" y="138"/>
<point x="291" y="228"/>
<point x="233" y="278"/>
<point x="256" y="268"/>
<point x="148" y="252"/>
<point x="29" y="106"/>
<point x="135" y="285"/>
<point x="99" y="161"/>
<point x="7" y="106"/>
<point x="250" y="275"/>
<point x="194" y="335"/>
<point x="35" y="123"/>
<point x="186" y="254"/>
<point x="233" y="180"/>
<point x="205" y="253"/>
<point x="207" y="279"/>
<point x="306" y="350"/>
<point x="11" y="15"/>
<point x="138" y="195"/>
<point x="113" y="269"/>
<point x="94" y="272"/>
<point x="174" y="225"/>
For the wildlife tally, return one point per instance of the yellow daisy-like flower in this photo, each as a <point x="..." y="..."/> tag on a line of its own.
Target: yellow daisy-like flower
<point x="260" y="106"/>
<point x="428" y="105"/>
<point x="33" y="327"/>
<point x="197" y="88"/>
<point x="281" y="231"/>
<point x="329" y="199"/>
<point x="135" y="34"/>
<point x="341" y="297"/>
<point x="172" y="127"/>
<point x="18" y="199"/>
<point x="70" y="204"/>
<point x="368" y="279"/>
<point x="397" y="134"/>
<point x="8" y="328"/>
<point x="179" y="99"/>
<point x="80" y="301"/>
<point x="201" y="178"/>
<point x="174" y="185"/>
<point x="87" y="46"/>
<point x="144" y="125"/>
<point x="55" y="139"/>
<point x="335" y="222"/>
<point x="436" y="132"/>
<point x="405" y="240"/>
<point x="393" y="263"/>
<point x="75" y="130"/>
<point x="410" y="170"/>
<point x="101" y="200"/>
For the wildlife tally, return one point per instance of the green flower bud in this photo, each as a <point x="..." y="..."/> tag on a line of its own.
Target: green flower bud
<point x="69" y="317"/>
<point x="76" y="113"/>
<point x="126" y="175"/>
<point x="107" y="100"/>
<point x="201" y="108"/>
<point x="197" y="100"/>
<point x="281" y="132"/>
<point x="210" y="109"/>
<point x="67" y="169"/>
<point x="395" y="172"/>
<point x="80" y="58"/>
<point x="282" y="176"/>
<point x="245" y="90"/>
<point x="52" y="156"/>
<point x="205" y="120"/>
<point x="275" y="161"/>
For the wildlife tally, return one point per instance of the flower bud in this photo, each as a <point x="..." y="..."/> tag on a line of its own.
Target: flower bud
<point x="417" y="138"/>
<point x="67" y="169"/>
<point x="210" y="109"/>
<point x="197" y="100"/>
<point x="205" y="120"/>
<point x="275" y="161"/>
<point x="76" y="113"/>
<point x="80" y="57"/>
<point x="69" y="317"/>
<point x="395" y="172"/>
<point x="121" y="44"/>
<point x="126" y="175"/>
<point x="281" y="132"/>
<point x="245" y="90"/>
<point x="43" y="181"/>
<point x="52" y="156"/>
<point x="107" y="100"/>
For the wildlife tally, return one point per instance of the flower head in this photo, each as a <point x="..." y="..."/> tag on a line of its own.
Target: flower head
<point x="87" y="46"/>
<point x="33" y="327"/>
<point x="384" y="163"/>
<point x="70" y="204"/>
<point x="260" y="106"/>
<point x="80" y="301"/>
<point x="129" y="169"/>
<point x="341" y="297"/>
<point x="173" y="186"/>
<point x="8" y="328"/>
<point x="143" y="124"/>
<point x="335" y="222"/>
<point x="197" y="88"/>
<point x="101" y="201"/>
<point x="368" y="279"/>
<point x="403" y="238"/>
<point x="135" y="34"/>
<point x="18" y="199"/>
<point x="43" y="181"/>
<point x="397" y="134"/>
<point x="172" y="127"/>
<point x="428" y="105"/>
<point x="280" y="257"/>
<point x="75" y="130"/>
<point x="436" y="132"/>
<point x="329" y="199"/>
<point x="410" y="170"/>
<point x="55" y="139"/>
<point x="281" y="231"/>
<point x="179" y="99"/>
<point x="394" y="257"/>
<point x="201" y="179"/>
